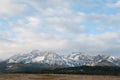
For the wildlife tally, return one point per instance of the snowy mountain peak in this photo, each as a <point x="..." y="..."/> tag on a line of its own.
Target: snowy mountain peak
<point x="52" y="58"/>
<point x="78" y="56"/>
<point x="36" y="56"/>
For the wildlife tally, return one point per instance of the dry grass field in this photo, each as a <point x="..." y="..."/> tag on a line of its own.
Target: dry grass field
<point x="55" y="77"/>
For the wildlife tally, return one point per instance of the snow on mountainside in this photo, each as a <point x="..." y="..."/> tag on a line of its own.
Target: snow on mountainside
<point x="105" y="63"/>
<point x="74" y="59"/>
<point x="80" y="58"/>
<point x="38" y="57"/>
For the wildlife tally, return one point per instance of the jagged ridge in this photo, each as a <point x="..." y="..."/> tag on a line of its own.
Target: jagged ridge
<point x="71" y="60"/>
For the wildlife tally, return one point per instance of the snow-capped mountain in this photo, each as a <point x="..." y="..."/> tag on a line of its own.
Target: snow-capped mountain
<point x="99" y="58"/>
<point x="36" y="56"/>
<point x="102" y="58"/>
<point x="38" y="61"/>
<point x="71" y="60"/>
<point x="79" y="58"/>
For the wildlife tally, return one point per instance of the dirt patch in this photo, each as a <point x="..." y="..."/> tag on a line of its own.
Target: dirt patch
<point x="56" y="77"/>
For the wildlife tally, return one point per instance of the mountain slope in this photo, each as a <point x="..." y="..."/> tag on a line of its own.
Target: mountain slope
<point x="105" y="63"/>
<point x="79" y="59"/>
<point x="37" y="60"/>
<point x="50" y="58"/>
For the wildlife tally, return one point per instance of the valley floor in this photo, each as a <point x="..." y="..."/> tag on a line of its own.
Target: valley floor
<point x="56" y="77"/>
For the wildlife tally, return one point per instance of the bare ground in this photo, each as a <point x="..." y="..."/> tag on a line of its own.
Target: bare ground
<point x="56" y="77"/>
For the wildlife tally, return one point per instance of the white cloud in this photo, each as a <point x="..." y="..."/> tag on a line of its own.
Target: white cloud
<point x="102" y="19"/>
<point x="100" y="28"/>
<point x="72" y="29"/>
<point x="114" y="5"/>
<point x="56" y="11"/>
<point x="12" y="8"/>
<point x="4" y="34"/>
<point x="65" y="24"/>
<point x="92" y="44"/>
<point x="57" y="25"/>
<point x="105" y="43"/>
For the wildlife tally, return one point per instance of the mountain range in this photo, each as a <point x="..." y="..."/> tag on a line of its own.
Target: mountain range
<point x="48" y="59"/>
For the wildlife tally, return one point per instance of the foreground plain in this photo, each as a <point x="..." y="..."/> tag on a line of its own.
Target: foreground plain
<point x="56" y="77"/>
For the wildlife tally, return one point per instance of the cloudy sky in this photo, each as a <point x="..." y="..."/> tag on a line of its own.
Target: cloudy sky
<point x="91" y="26"/>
